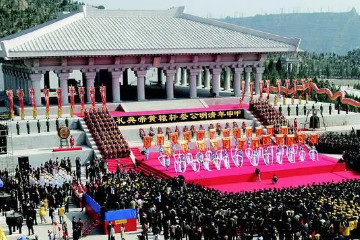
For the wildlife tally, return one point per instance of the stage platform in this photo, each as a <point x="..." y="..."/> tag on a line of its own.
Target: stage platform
<point x="244" y="178"/>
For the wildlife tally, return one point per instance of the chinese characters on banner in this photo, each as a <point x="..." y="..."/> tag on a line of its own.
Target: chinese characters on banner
<point x="200" y="135"/>
<point x="174" y="138"/>
<point x="82" y="100"/>
<point x="147" y="141"/>
<point x="33" y="101"/>
<point x="72" y="100"/>
<point x="179" y="117"/>
<point x="261" y="83"/>
<point x="10" y="96"/>
<point x="160" y="138"/>
<point x="59" y="97"/>
<point x="103" y="96"/>
<point x="20" y="94"/>
<point x="47" y="103"/>
<point x="92" y="97"/>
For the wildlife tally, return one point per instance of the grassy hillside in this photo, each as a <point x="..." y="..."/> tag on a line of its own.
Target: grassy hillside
<point x="320" y="32"/>
<point x="17" y="15"/>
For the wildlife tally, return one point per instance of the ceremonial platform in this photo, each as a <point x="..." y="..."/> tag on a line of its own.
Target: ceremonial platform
<point x="243" y="178"/>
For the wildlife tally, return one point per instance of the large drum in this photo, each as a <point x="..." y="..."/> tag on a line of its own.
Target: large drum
<point x="270" y="130"/>
<point x="255" y="143"/>
<point x="242" y="143"/>
<point x="301" y="137"/>
<point x="258" y="131"/>
<point x="266" y="140"/>
<point x="314" y="138"/>
<point x="279" y="139"/>
<point x="284" y="130"/>
<point x="290" y="139"/>
<point x="249" y="132"/>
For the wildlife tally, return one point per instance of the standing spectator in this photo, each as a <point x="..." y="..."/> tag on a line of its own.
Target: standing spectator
<point x="30" y="225"/>
<point x="51" y="214"/>
<point x="80" y="224"/>
<point x="108" y="228"/>
<point x="145" y="229"/>
<point x="112" y="233"/>
<point x="122" y="231"/>
<point x="257" y="173"/>
<point x="42" y="213"/>
<point x="61" y="213"/>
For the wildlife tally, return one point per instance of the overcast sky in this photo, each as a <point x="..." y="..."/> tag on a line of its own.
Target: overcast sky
<point x="223" y="8"/>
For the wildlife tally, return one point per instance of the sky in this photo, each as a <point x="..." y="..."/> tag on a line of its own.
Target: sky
<point x="234" y="8"/>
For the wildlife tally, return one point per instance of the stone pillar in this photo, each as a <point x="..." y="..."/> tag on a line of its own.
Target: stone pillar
<point x="178" y="76"/>
<point x="248" y="70"/>
<point x="125" y="77"/>
<point x="11" y="82"/>
<point x="199" y="79"/>
<point x="184" y="77"/>
<point x="227" y="79"/>
<point x="216" y="72"/>
<point x="207" y="78"/>
<point x="160" y="76"/>
<point x="115" y="75"/>
<point x="35" y="81"/>
<point x="193" y="79"/>
<point x="140" y="74"/>
<point x="237" y="81"/>
<point x="90" y="79"/>
<point x="170" y="83"/>
<point x="258" y="76"/>
<point x="63" y="79"/>
<point x="5" y="80"/>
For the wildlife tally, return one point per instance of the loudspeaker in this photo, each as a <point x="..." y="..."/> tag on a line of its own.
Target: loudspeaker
<point x="23" y="163"/>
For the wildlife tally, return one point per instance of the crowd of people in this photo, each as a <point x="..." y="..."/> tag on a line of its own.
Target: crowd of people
<point x="40" y="193"/>
<point x="106" y="134"/>
<point x="339" y="143"/>
<point x="176" y="209"/>
<point x="269" y="115"/>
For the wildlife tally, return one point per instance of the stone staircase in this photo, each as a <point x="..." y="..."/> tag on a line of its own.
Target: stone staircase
<point x="89" y="139"/>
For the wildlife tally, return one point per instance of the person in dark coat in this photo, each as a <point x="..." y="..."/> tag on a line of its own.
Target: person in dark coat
<point x="17" y="128"/>
<point x="30" y="225"/>
<point x="38" y="124"/>
<point x="28" y="127"/>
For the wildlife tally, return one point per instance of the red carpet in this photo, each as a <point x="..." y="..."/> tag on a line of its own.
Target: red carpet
<point x="125" y="163"/>
<point x="186" y="110"/>
<point x="295" y="181"/>
<point x="229" y="178"/>
<point x="67" y="149"/>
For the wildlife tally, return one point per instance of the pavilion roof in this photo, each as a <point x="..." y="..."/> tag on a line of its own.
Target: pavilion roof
<point x="95" y="32"/>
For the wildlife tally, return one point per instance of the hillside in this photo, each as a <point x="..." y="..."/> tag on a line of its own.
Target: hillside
<point x="320" y="32"/>
<point x="17" y="15"/>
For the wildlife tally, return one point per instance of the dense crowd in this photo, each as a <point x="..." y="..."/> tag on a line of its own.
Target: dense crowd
<point x="177" y="209"/>
<point x="346" y="144"/>
<point x="106" y="134"/>
<point x="40" y="191"/>
<point x="269" y="115"/>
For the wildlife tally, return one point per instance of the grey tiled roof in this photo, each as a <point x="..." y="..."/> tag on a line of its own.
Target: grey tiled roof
<point x="116" y="32"/>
